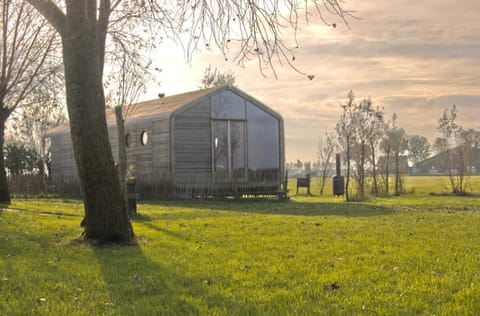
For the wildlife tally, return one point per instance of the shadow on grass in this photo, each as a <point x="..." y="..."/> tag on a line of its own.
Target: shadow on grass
<point x="3" y="206"/>
<point x="292" y="207"/>
<point x="140" y="286"/>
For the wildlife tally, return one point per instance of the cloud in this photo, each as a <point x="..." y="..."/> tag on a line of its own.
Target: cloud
<point x="412" y="57"/>
<point x="419" y="115"/>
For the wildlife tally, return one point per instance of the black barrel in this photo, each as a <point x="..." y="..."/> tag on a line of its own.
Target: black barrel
<point x="338" y="185"/>
<point x="338" y="180"/>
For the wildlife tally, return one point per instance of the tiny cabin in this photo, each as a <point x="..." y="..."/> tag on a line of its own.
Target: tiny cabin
<point x="212" y="142"/>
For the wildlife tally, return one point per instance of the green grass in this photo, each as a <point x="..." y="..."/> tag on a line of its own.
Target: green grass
<point x="416" y="254"/>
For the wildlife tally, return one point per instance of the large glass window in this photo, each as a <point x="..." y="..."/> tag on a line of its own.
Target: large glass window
<point x="220" y="147"/>
<point x="244" y="137"/>
<point x="228" y="105"/>
<point x="263" y="143"/>
<point x="228" y="140"/>
<point x="237" y="148"/>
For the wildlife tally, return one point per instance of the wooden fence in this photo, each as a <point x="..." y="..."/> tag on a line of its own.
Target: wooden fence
<point x="38" y="185"/>
<point x="269" y="185"/>
<point x="27" y="185"/>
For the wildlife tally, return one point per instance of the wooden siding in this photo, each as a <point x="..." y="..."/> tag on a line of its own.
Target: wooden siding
<point x="63" y="162"/>
<point x="192" y="141"/>
<point x="153" y="157"/>
<point x="161" y="145"/>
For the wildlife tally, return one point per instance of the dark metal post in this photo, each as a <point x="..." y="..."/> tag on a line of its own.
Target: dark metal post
<point x="337" y="159"/>
<point x="338" y="180"/>
<point x="131" y="196"/>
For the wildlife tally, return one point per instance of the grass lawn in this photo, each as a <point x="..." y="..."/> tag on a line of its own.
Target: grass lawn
<point x="416" y="254"/>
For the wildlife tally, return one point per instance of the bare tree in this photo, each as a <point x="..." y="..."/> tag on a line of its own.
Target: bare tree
<point x="40" y="111"/>
<point x="449" y="129"/>
<point x="457" y="149"/>
<point x="366" y="136"/>
<point x="325" y="156"/>
<point x="83" y="25"/>
<point x="398" y="141"/>
<point x="469" y="148"/>
<point x="359" y="130"/>
<point x="386" y="146"/>
<point x="213" y="77"/>
<point x="83" y="28"/>
<point x="375" y="132"/>
<point x="346" y="132"/>
<point x="25" y="42"/>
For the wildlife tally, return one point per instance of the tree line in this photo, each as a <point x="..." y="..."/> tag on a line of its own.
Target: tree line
<point x="376" y="152"/>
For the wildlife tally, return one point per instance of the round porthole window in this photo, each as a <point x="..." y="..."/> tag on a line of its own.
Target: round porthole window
<point x="144" y="138"/>
<point x="128" y="140"/>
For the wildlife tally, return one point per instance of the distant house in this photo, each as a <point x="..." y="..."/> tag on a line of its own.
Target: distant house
<point x="216" y="141"/>
<point x="437" y="163"/>
<point x="402" y="164"/>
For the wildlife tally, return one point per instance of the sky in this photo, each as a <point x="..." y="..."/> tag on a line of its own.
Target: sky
<point x="413" y="58"/>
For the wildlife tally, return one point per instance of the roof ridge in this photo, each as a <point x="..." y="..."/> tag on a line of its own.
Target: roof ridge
<point x="167" y="104"/>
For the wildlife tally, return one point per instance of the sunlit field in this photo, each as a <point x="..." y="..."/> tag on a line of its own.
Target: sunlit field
<point x="312" y="255"/>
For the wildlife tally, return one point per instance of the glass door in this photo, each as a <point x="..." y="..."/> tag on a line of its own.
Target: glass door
<point x="228" y="142"/>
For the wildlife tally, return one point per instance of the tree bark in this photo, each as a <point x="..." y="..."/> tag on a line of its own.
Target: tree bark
<point x="106" y="216"/>
<point x="4" y="193"/>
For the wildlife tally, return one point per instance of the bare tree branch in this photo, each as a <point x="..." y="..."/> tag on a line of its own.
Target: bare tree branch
<point x="51" y="12"/>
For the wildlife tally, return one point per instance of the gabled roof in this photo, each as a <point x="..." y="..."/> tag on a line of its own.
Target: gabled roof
<point x="147" y="108"/>
<point x="161" y="105"/>
<point x="440" y="157"/>
<point x="169" y="105"/>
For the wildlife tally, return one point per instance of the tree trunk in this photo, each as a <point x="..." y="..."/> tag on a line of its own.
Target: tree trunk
<point x="43" y="165"/>
<point x="448" y="166"/>
<point x="324" y="178"/>
<point x="387" y="171"/>
<point x="106" y="216"/>
<point x="362" y="170"/>
<point x="397" y="173"/>
<point x="374" y="171"/>
<point x="122" y="152"/>
<point x="461" y="169"/>
<point x="4" y="194"/>
<point x="347" y="196"/>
